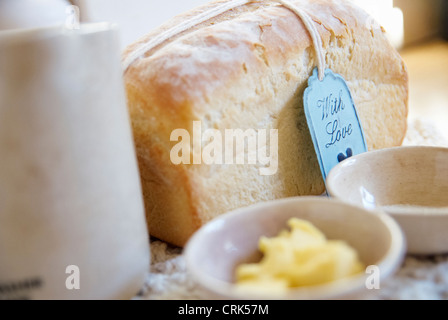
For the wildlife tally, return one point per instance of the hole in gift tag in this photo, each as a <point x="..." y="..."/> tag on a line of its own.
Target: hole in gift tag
<point x="348" y="154"/>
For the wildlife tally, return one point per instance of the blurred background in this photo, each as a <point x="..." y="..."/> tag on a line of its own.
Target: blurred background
<point x="417" y="28"/>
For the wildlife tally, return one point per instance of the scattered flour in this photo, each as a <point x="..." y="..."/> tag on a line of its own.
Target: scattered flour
<point x="168" y="277"/>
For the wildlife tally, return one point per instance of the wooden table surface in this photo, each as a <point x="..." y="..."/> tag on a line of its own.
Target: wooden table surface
<point x="428" y="83"/>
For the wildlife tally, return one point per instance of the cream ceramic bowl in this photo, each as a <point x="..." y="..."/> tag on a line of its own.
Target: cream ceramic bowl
<point x="214" y="252"/>
<point x="410" y="183"/>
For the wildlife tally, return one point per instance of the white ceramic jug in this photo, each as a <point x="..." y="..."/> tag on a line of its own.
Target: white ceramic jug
<point x="72" y="221"/>
<point x="16" y="14"/>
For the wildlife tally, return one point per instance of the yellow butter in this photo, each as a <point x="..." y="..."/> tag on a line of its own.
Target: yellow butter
<point x="296" y="258"/>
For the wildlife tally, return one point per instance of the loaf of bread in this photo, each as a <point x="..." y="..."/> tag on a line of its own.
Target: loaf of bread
<point x="247" y="69"/>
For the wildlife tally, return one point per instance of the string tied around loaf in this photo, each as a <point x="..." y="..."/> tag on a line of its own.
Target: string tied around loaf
<point x="220" y="9"/>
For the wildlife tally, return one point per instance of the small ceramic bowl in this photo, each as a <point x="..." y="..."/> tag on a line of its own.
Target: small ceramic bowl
<point x="409" y="183"/>
<point x="214" y="251"/>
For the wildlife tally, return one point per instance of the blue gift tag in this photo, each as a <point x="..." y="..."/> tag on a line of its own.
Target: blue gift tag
<point x="332" y="119"/>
